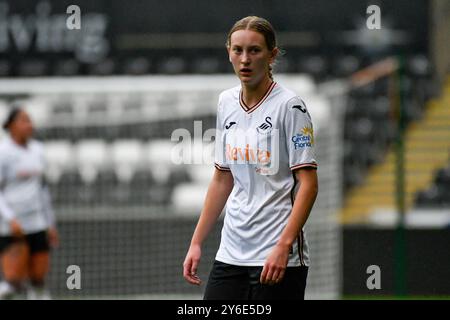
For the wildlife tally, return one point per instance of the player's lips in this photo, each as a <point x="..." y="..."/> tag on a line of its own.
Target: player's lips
<point x="245" y="71"/>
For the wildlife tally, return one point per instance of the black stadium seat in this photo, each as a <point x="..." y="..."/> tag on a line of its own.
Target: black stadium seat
<point x="66" y="67"/>
<point x="172" y="65"/>
<point x="206" y="65"/>
<point x="137" y="66"/>
<point x="106" y="67"/>
<point x="5" y="68"/>
<point x="33" y="68"/>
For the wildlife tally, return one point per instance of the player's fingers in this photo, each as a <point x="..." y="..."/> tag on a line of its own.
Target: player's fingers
<point x="194" y="266"/>
<point x="269" y="274"/>
<point x="281" y="275"/>
<point x="262" y="278"/>
<point x="187" y="268"/>
<point x="194" y="275"/>
<point x="191" y="278"/>
<point x="275" y="275"/>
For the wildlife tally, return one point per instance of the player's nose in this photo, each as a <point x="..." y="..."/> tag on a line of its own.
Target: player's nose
<point x="245" y="58"/>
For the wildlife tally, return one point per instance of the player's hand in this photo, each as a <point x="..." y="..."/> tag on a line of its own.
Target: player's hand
<point x="275" y="266"/>
<point x="53" y="237"/>
<point x="16" y="229"/>
<point x="191" y="263"/>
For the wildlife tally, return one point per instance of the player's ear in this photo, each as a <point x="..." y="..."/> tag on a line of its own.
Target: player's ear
<point x="274" y="54"/>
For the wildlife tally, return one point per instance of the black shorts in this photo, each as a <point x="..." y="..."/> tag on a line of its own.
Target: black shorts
<point x="37" y="242"/>
<point x="230" y="282"/>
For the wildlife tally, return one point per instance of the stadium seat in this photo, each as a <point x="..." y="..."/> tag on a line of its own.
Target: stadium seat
<point x="318" y="107"/>
<point x="172" y="65"/>
<point x="106" y="67"/>
<point x="136" y="66"/>
<point x="317" y="66"/>
<point x="5" y="68"/>
<point x="206" y="65"/>
<point x="67" y="192"/>
<point x="131" y="106"/>
<point x="380" y="109"/>
<point x="283" y="65"/>
<point x="67" y="67"/>
<point x="104" y="188"/>
<point x="127" y="158"/>
<point x="418" y="66"/>
<point x="59" y="158"/>
<point x="201" y="173"/>
<point x="39" y="110"/>
<point x="158" y="156"/>
<point x="304" y="84"/>
<point x="62" y="107"/>
<point x="180" y="174"/>
<point x="144" y="190"/>
<point x="98" y="107"/>
<point x="202" y="153"/>
<point x="187" y="199"/>
<point x="91" y="157"/>
<point x="344" y="66"/>
<point x="33" y="68"/>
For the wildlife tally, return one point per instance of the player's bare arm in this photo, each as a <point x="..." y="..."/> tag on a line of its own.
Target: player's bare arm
<point x="218" y="191"/>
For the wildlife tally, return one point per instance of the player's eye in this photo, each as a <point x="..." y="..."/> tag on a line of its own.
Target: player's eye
<point x="237" y="50"/>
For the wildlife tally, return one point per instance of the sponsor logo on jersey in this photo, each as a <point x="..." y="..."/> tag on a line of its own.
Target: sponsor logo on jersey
<point x="304" y="139"/>
<point x="248" y="147"/>
<point x="247" y="154"/>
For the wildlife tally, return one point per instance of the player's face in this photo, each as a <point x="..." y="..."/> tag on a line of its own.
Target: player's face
<point x="250" y="56"/>
<point x="22" y="126"/>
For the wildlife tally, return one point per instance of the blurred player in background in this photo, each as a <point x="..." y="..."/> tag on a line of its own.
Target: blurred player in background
<point x="27" y="224"/>
<point x="269" y="192"/>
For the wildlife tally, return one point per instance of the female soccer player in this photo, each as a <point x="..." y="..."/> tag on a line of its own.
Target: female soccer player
<point x="265" y="174"/>
<point x="27" y="224"/>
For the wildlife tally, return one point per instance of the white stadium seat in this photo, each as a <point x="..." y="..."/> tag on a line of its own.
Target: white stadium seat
<point x="319" y="108"/>
<point x="59" y="158"/>
<point x="91" y="157"/>
<point x="188" y="198"/>
<point x="126" y="158"/>
<point x="158" y="156"/>
<point x="201" y="173"/>
<point x="39" y="111"/>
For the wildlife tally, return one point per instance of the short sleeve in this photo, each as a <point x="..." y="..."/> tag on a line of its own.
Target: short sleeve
<point x="2" y="170"/>
<point x="219" y="154"/>
<point x="299" y="135"/>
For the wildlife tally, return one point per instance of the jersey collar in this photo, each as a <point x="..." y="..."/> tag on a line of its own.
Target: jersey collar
<point x="260" y="102"/>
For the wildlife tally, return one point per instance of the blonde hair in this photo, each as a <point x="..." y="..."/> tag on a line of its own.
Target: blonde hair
<point x="259" y="25"/>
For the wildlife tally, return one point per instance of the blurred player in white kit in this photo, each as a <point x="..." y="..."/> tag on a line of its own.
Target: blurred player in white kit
<point x="27" y="223"/>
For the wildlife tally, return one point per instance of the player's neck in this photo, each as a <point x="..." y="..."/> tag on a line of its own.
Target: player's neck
<point x="253" y="94"/>
<point x="21" y="141"/>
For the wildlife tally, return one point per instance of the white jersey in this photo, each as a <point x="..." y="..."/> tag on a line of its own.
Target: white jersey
<point x="262" y="146"/>
<point x="22" y="195"/>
